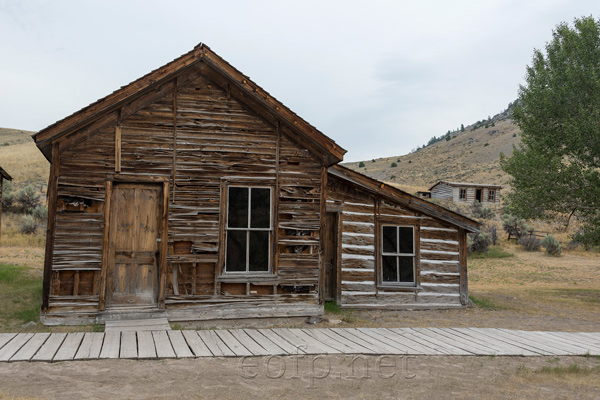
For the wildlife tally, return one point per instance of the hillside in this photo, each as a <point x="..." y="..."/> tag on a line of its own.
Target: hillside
<point x="21" y="158"/>
<point x="470" y="156"/>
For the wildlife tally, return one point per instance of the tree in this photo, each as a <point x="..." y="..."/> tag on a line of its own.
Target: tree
<point x="462" y="128"/>
<point x="555" y="173"/>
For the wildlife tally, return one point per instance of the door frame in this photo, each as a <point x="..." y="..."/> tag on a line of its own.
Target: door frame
<point x="336" y="269"/>
<point x="108" y="255"/>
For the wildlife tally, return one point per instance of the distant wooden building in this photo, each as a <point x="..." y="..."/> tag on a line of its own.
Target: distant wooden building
<point x="194" y="193"/>
<point x="424" y="194"/>
<point x="461" y="192"/>
<point x="3" y="176"/>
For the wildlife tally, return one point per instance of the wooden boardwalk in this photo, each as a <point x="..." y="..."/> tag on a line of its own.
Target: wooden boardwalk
<point x="144" y="344"/>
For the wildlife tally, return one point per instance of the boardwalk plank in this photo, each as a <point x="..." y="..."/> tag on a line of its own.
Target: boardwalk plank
<point x="50" y="347"/>
<point x="129" y="348"/>
<point x="361" y="339"/>
<point x="163" y="346"/>
<point x="270" y="347"/>
<point x="488" y="336"/>
<point x="536" y="343"/>
<point x="69" y="347"/>
<point x="145" y="343"/>
<point x="180" y="346"/>
<point x="111" y="345"/>
<point x="569" y="345"/>
<point x="304" y="341"/>
<point x="485" y="345"/>
<point x="14" y="345"/>
<point x="196" y="344"/>
<point x="215" y="344"/>
<point x="442" y="341"/>
<point x="31" y="347"/>
<point x="90" y="346"/>
<point x="356" y="348"/>
<point x="580" y="340"/>
<point x="285" y="345"/>
<point x="249" y="343"/>
<point x="398" y="342"/>
<point x="5" y="338"/>
<point x="233" y="344"/>
<point x="338" y="344"/>
<point x="527" y="349"/>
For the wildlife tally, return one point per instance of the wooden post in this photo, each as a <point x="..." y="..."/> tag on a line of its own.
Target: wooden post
<point x="162" y="276"/>
<point x="51" y="227"/>
<point x="377" y="265"/>
<point x="462" y="262"/>
<point x="322" y="211"/>
<point x="105" y="245"/>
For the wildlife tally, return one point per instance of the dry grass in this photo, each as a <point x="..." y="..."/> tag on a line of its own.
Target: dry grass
<point x="465" y="158"/>
<point x="21" y="158"/>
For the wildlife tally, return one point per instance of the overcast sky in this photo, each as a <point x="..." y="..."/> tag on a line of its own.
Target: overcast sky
<point x="379" y="77"/>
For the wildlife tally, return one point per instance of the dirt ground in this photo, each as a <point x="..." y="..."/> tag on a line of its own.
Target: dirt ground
<point x="308" y="377"/>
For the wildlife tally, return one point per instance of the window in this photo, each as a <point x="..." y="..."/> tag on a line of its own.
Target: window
<point x="248" y="229"/>
<point x="491" y="195"/>
<point x="398" y="255"/>
<point x="463" y="194"/>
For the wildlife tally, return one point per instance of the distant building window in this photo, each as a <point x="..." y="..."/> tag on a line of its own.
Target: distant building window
<point x="463" y="194"/>
<point x="491" y="195"/>
<point x="398" y="255"/>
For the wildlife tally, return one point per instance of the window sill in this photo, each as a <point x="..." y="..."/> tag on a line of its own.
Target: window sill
<point x="265" y="278"/>
<point x="397" y="288"/>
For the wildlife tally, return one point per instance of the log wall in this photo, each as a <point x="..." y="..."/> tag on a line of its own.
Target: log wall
<point x="437" y="253"/>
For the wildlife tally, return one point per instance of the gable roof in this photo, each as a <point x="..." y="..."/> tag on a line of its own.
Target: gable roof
<point x="5" y="175"/>
<point x="401" y="197"/>
<point x="465" y="184"/>
<point x="240" y="86"/>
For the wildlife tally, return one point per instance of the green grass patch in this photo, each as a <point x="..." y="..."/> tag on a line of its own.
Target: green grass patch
<point x="493" y="252"/>
<point x="485" y="303"/>
<point x="346" y="316"/>
<point x="20" y="296"/>
<point x="572" y="369"/>
<point x="332" y="307"/>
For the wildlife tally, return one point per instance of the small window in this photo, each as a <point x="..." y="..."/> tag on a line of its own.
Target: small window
<point x="248" y="229"/>
<point x="491" y="195"/>
<point x="398" y="255"/>
<point x="463" y="194"/>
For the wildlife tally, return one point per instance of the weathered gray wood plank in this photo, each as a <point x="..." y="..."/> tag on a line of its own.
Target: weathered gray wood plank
<point x="129" y="347"/>
<point x="534" y="343"/>
<point x="180" y="346"/>
<point x="442" y="341"/>
<point x="309" y="344"/>
<point x="568" y="345"/>
<point x="395" y="342"/>
<point x="90" y="347"/>
<point x="31" y="347"/>
<point x="215" y="344"/>
<point x="50" y="347"/>
<point x="69" y="347"/>
<point x="163" y="346"/>
<point x="487" y="338"/>
<point x="579" y="340"/>
<point x="249" y="343"/>
<point x="5" y="338"/>
<point x="337" y="343"/>
<point x="196" y="344"/>
<point x="111" y="345"/>
<point x="14" y="345"/>
<point x="233" y="344"/>
<point x="264" y="342"/>
<point x="470" y="343"/>
<point x="145" y="343"/>
<point x="381" y="347"/>
<point x="285" y="345"/>
<point x="494" y="334"/>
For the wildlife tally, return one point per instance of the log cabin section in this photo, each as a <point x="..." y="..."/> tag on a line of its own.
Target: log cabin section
<point x="190" y="192"/>
<point x="396" y="250"/>
<point x="461" y="192"/>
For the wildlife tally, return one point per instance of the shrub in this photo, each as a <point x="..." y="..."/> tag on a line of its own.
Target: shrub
<point x="393" y="177"/>
<point x="28" y="198"/>
<point x="485" y="145"/>
<point x="40" y="213"/>
<point x="514" y="135"/>
<point x="410" y="161"/>
<point x="515" y="226"/>
<point x="361" y="164"/>
<point x="28" y="225"/>
<point x="394" y="165"/>
<point x="373" y="160"/>
<point x="552" y="246"/>
<point x="493" y="235"/>
<point x="479" y="211"/>
<point x="478" y="242"/>
<point x="530" y="243"/>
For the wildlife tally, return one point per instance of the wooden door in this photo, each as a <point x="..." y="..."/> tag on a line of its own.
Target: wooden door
<point x="330" y="254"/>
<point x="478" y="195"/>
<point x="135" y="229"/>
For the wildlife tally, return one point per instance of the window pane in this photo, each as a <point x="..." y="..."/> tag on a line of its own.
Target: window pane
<point x="238" y="208"/>
<point x="406" y="240"/>
<point x="259" y="251"/>
<point x="236" y="251"/>
<point x="390" y="271"/>
<point x="406" y="269"/>
<point x="390" y="242"/>
<point x="260" y="208"/>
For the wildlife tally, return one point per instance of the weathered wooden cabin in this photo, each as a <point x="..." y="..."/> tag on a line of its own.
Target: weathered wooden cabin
<point x="193" y="192"/>
<point x="461" y="192"/>
<point x="3" y="176"/>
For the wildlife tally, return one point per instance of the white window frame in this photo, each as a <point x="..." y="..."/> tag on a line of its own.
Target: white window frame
<point x="398" y="254"/>
<point x="249" y="229"/>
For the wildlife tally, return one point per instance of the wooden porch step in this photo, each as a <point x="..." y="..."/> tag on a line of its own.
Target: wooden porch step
<point x="146" y="324"/>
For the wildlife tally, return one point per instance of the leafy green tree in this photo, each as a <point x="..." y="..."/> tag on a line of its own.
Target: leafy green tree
<point x="556" y="170"/>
